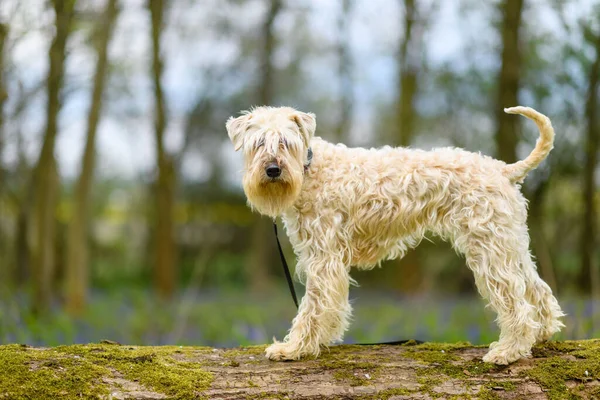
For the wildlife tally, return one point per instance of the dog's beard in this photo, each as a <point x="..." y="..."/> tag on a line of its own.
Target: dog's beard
<point x="272" y="197"/>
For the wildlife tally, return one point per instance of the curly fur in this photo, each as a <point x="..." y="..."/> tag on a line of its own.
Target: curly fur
<point x="357" y="207"/>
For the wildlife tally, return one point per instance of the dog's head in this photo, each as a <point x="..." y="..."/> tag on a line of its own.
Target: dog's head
<point x="275" y="142"/>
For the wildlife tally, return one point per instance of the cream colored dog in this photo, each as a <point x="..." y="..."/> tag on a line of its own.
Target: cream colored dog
<point x="346" y="207"/>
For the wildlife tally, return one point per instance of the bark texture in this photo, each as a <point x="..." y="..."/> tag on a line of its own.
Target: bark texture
<point x="557" y="370"/>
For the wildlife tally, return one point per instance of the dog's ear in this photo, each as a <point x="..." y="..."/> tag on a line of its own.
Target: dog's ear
<point x="236" y="127"/>
<point x="307" y="123"/>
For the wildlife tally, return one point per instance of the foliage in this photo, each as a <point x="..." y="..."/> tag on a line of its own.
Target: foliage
<point x="233" y="317"/>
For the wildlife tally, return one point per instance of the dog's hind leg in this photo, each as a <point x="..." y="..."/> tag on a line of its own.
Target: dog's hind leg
<point x="538" y="293"/>
<point x="324" y="312"/>
<point x="492" y="253"/>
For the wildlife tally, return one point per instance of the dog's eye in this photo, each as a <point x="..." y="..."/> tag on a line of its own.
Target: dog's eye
<point x="283" y="142"/>
<point x="260" y="143"/>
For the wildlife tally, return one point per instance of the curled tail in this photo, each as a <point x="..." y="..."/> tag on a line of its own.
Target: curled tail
<point x="516" y="172"/>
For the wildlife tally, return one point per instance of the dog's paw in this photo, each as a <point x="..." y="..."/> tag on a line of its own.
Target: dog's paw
<point x="502" y="356"/>
<point x="545" y="333"/>
<point x="282" y="351"/>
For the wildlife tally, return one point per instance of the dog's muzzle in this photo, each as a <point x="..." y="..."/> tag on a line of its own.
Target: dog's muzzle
<point x="273" y="170"/>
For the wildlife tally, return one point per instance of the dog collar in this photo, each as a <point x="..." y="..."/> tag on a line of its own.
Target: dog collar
<point x="308" y="159"/>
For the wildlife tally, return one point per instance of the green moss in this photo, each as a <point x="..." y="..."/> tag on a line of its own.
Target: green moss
<point x="353" y="372"/>
<point x="445" y="362"/>
<point x="72" y="372"/>
<point x="411" y="342"/>
<point x="153" y="367"/>
<point x="487" y="394"/>
<point x="40" y="374"/>
<point x="447" y="347"/>
<point x="255" y="351"/>
<point x="77" y="371"/>
<point x="443" y="354"/>
<point x="245" y="355"/>
<point x="553" y="373"/>
<point x="427" y="384"/>
<point x="441" y="360"/>
<point x="432" y="356"/>
<point x="578" y="361"/>
<point x="490" y="390"/>
<point x="387" y="393"/>
<point x="580" y="349"/>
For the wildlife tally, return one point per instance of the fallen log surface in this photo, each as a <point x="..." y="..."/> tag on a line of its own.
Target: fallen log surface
<point x="557" y="370"/>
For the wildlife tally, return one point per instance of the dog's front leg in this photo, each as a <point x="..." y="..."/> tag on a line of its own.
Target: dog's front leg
<point x="323" y="314"/>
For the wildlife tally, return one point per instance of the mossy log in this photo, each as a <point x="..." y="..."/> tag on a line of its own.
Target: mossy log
<point x="557" y="370"/>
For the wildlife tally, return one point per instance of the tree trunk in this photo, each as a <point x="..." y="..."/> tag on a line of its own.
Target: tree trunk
<point x="508" y="81"/>
<point x="262" y="248"/>
<point x="5" y="273"/>
<point x="46" y="177"/>
<point x="3" y="93"/>
<point x="538" y="239"/>
<point x="344" y="124"/>
<point x="409" y="272"/>
<point x="77" y="247"/>
<point x="165" y="271"/>
<point x="409" y="56"/>
<point x="558" y="370"/>
<point x="589" y="276"/>
<point x="266" y="88"/>
<point x="22" y="268"/>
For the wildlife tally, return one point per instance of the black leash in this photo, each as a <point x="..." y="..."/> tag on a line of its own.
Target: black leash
<point x="288" y="276"/>
<point x="285" y="267"/>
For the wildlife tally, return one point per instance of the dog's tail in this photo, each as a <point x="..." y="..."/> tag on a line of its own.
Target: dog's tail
<point x="516" y="172"/>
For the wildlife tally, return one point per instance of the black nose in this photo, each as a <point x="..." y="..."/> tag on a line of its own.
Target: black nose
<point x="273" y="170"/>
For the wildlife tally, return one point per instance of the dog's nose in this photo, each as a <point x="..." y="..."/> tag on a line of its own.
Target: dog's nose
<point x="273" y="170"/>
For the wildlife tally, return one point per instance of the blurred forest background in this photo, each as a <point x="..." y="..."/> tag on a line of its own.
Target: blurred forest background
<point x="121" y="210"/>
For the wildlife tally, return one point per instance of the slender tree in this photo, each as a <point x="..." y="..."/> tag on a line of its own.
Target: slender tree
<point x="46" y="178"/>
<point x="539" y="243"/>
<point x="77" y="247"/>
<point x="261" y="249"/>
<point x="508" y="80"/>
<point x="4" y="272"/>
<point x="266" y="88"/>
<point x="409" y="61"/>
<point x="165" y="273"/>
<point x="3" y="92"/>
<point x="24" y="202"/>
<point x="589" y="274"/>
<point x="345" y="72"/>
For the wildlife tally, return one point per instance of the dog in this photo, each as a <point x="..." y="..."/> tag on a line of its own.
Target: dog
<point x="344" y="207"/>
